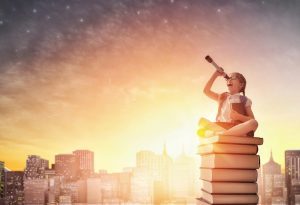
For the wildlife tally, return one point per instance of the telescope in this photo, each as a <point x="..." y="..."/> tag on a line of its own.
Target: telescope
<point x="219" y="69"/>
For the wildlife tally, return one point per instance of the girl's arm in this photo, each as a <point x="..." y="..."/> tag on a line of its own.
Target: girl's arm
<point x="207" y="89"/>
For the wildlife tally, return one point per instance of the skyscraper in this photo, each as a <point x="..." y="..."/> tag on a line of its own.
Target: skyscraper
<point x="35" y="191"/>
<point x="160" y="167"/>
<point x="2" y="182"/>
<point x="183" y="177"/>
<point x="35" y="167"/>
<point x="14" y="193"/>
<point x="271" y="175"/>
<point x="66" y="165"/>
<point x="94" y="195"/>
<point x="292" y="176"/>
<point x="85" y="159"/>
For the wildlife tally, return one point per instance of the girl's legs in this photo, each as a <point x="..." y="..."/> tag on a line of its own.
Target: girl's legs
<point x="208" y="128"/>
<point x="241" y="129"/>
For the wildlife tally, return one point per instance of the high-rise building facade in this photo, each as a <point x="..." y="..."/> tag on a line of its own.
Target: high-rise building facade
<point x="269" y="172"/>
<point x="35" y="167"/>
<point x="160" y="169"/>
<point x="2" y="182"/>
<point x="66" y="165"/>
<point x="14" y="192"/>
<point x="35" y="191"/>
<point x="94" y="194"/>
<point x="183" y="177"/>
<point x="85" y="159"/>
<point x="292" y="176"/>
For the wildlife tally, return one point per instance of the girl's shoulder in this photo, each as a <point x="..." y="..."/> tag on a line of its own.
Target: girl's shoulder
<point x="247" y="100"/>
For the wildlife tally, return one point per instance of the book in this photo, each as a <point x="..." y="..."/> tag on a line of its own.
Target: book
<point x="231" y="140"/>
<point x="229" y="187"/>
<point x="230" y="198"/>
<point x="227" y="148"/>
<point x="229" y="175"/>
<point x="201" y="201"/>
<point x="230" y="161"/>
<point x="239" y="107"/>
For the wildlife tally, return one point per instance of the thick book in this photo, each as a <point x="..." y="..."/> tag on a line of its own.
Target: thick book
<point x="227" y="149"/>
<point x="229" y="175"/>
<point x="223" y="139"/>
<point x="229" y="187"/>
<point x="230" y="161"/>
<point x="201" y="201"/>
<point x="230" y="198"/>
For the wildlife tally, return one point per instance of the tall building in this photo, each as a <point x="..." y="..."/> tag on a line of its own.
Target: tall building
<point x="2" y="182"/>
<point x="35" y="191"/>
<point x="94" y="194"/>
<point x="66" y="165"/>
<point x="260" y="185"/>
<point x="85" y="159"/>
<point x="142" y="182"/>
<point x="54" y="185"/>
<point x="183" y="177"/>
<point x="14" y="193"/>
<point x="35" y="167"/>
<point x="271" y="170"/>
<point x="160" y="168"/>
<point x="292" y="176"/>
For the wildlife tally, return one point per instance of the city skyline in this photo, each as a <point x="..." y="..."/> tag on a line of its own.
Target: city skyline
<point x="148" y="165"/>
<point x="51" y="162"/>
<point x="154" y="178"/>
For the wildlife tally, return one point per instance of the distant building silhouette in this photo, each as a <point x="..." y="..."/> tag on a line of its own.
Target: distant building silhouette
<point x="2" y="182"/>
<point x="292" y="176"/>
<point x="160" y="168"/>
<point x="35" y="191"/>
<point x="35" y="167"/>
<point x="14" y="192"/>
<point x="67" y="165"/>
<point x="183" y="181"/>
<point x="273" y="183"/>
<point x="85" y="159"/>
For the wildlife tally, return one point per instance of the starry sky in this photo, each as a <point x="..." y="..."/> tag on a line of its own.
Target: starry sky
<point x="120" y="76"/>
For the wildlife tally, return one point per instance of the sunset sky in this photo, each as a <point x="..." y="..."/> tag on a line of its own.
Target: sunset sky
<point x="116" y="77"/>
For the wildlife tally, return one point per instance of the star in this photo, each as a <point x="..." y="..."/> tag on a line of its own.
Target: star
<point x="1" y="22"/>
<point x="81" y="20"/>
<point x="48" y="17"/>
<point x="27" y="31"/>
<point x="219" y="10"/>
<point x="34" y="10"/>
<point x="172" y="1"/>
<point x="68" y="7"/>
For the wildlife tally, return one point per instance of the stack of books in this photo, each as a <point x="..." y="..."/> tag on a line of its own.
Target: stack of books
<point x="228" y="170"/>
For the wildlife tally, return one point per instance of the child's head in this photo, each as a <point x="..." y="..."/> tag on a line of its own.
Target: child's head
<point x="236" y="83"/>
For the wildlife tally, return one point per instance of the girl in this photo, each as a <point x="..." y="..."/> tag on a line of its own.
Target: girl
<point x="229" y="121"/>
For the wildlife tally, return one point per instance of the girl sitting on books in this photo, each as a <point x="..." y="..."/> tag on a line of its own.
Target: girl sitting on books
<point x="235" y="116"/>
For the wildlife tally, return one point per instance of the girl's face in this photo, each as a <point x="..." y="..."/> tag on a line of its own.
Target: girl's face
<point x="233" y="84"/>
